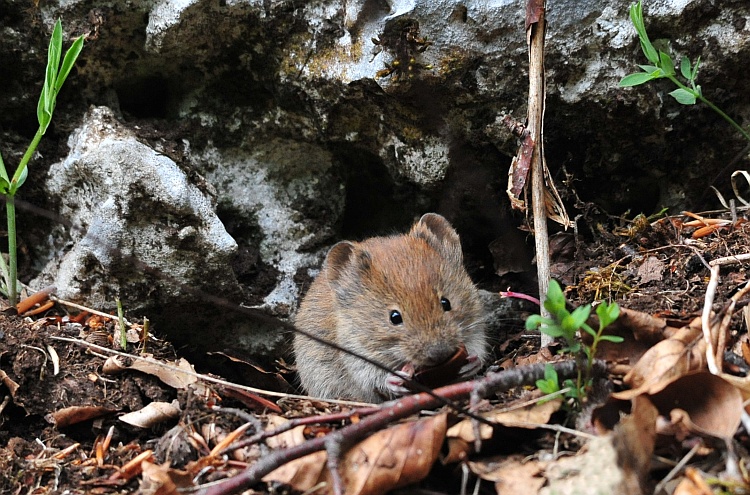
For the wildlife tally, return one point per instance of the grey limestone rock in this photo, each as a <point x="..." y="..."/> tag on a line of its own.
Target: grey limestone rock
<point x="321" y="120"/>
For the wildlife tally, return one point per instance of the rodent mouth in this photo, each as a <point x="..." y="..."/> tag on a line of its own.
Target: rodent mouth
<point x="440" y="374"/>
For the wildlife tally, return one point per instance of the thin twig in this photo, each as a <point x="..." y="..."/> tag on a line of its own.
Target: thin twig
<point x="205" y="378"/>
<point x="84" y="308"/>
<point x="389" y="413"/>
<point x="660" y="486"/>
<point x="730" y="260"/>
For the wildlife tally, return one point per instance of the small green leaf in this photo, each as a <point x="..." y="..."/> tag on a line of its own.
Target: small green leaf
<point x="636" y="17"/>
<point x="637" y="79"/>
<point x="666" y="64"/>
<point x="588" y="330"/>
<point x="552" y="330"/>
<point x="533" y="322"/>
<point x="694" y="72"/>
<point x="55" y="47"/>
<point x="47" y="97"/>
<point x="580" y="315"/>
<point x="607" y="313"/>
<point x="3" y="171"/>
<point x="685" y="67"/>
<point x="573" y="348"/>
<point x="550" y="384"/>
<point x="21" y="179"/>
<point x="555" y="300"/>
<point x="612" y="338"/>
<point x="4" y="186"/>
<point x="683" y="96"/>
<point x="68" y="62"/>
<point x="549" y="373"/>
<point x="574" y="392"/>
<point x="649" y="68"/>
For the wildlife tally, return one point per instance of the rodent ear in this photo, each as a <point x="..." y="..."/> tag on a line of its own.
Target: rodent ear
<point x="439" y="234"/>
<point x="343" y="255"/>
<point x="337" y="259"/>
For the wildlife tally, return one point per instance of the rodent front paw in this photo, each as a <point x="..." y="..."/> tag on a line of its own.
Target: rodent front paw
<point x="396" y="384"/>
<point x="472" y="366"/>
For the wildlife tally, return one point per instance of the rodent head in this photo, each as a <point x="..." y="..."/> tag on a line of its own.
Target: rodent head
<point x="406" y="299"/>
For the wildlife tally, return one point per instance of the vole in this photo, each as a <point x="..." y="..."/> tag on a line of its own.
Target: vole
<point x="404" y="301"/>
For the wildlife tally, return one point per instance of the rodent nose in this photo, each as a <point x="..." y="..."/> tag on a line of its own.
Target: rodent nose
<point x="437" y="353"/>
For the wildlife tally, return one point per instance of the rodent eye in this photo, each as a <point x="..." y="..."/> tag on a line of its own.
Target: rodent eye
<point x="445" y="303"/>
<point x="396" y="318"/>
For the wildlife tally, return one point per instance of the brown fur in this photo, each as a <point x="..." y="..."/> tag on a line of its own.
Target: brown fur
<point x="351" y="300"/>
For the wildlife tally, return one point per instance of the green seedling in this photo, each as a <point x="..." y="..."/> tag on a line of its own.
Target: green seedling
<point x="567" y="325"/>
<point x="55" y="76"/>
<point x="662" y="66"/>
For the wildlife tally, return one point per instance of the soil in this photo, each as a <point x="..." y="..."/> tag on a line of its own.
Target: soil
<point x="61" y="431"/>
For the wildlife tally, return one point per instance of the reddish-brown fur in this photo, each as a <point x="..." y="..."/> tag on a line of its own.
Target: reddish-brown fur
<point x="351" y="300"/>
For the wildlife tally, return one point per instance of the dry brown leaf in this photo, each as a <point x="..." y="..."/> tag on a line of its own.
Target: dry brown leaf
<point x="253" y="373"/>
<point x="651" y="270"/>
<point x="643" y="326"/>
<point x="669" y="359"/>
<point x="287" y="439"/>
<point x="512" y="475"/>
<point x="692" y="484"/>
<point x="701" y="404"/>
<point x="9" y="383"/>
<point x="697" y="404"/>
<point x="168" y="375"/>
<point x="639" y="331"/>
<point x="543" y="355"/>
<point x="519" y="172"/>
<point x="76" y="414"/>
<point x="153" y="414"/>
<point x="461" y="436"/>
<point x="741" y="383"/>
<point x="530" y="416"/>
<point x="391" y="458"/>
<point x="458" y="451"/>
<point x="534" y="11"/>
<point x="160" y="479"/>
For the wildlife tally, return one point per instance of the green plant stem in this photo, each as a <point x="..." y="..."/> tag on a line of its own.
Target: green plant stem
<point x="725" y="116"/>
<point x="712" y="107"/>
<point x="27" y="156"/>
<point x="10" y="208"/>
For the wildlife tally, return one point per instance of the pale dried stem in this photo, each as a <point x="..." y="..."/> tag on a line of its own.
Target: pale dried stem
<point x="536" y="128"/>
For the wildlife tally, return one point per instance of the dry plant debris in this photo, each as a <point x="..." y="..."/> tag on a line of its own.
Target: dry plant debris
<point x="82" y="416"/>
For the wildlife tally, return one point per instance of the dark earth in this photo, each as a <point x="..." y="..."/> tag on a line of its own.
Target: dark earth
<point x="651" y="265"/>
